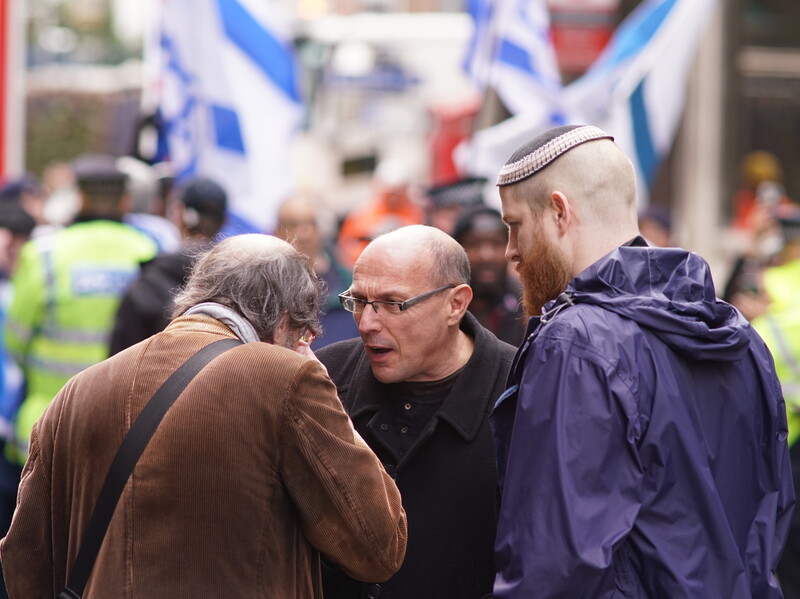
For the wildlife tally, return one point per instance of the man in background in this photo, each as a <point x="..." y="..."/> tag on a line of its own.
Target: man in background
<point x="67" y="288"/>
<point x="298" y="223"/>
<point x="198" y="212"/>
<point x="496" y="302"/>
<point x="390" y="207"/>
<point x="446" y="202"/>
<point x="779" y="325"/>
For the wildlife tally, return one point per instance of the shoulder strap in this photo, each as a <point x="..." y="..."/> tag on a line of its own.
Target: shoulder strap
<point x="128" y="454"/>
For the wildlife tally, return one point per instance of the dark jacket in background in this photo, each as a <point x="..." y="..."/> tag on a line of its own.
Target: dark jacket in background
<point x="448" y="480"/>
<point x="147" y="304"/>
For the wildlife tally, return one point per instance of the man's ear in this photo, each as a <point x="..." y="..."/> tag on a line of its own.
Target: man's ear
<point x="563" y="212"/>
<point x="461" y="297"/>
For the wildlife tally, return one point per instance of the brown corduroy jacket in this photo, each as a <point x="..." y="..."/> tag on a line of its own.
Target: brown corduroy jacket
<point x="253" y="471"/>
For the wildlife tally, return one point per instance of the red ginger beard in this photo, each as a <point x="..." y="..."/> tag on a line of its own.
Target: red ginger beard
<point x="544" y="275"/>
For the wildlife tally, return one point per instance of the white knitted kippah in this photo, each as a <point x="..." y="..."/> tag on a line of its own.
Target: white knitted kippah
<point x="544" y="149"/>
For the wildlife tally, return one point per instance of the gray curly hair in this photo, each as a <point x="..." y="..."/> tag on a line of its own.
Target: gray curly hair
<point x="260" y="277"/>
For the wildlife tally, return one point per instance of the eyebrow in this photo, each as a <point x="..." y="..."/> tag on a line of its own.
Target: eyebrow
<point x="380" y="297"/>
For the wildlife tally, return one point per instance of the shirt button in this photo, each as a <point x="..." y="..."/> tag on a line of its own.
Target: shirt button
<point x="404" y="430"/>
<point x="373" y="591"/>
<point x="407" y="406"/>
<point x="384" y="427"/>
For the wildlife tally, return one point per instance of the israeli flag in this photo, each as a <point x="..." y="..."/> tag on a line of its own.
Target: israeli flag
<point x="222" y="74"/>
<point x="636" y="91"/>
<point x="512" y="51"/>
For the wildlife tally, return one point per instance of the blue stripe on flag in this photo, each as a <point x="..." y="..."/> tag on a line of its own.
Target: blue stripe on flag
<point x="260" y="45"/>
<point x="636" y="32"/>
<point x="516" y="56"/>
<point x="188" y="171"/>
<point x="173" y="64"/>
<point x="645" y="149"/>
<point x="227" y="132"/>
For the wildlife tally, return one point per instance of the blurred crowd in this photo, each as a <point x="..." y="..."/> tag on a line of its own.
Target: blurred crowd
<point x="92" y="253"/>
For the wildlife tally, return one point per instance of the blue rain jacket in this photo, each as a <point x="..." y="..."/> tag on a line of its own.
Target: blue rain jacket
<point x="641" y="442"/>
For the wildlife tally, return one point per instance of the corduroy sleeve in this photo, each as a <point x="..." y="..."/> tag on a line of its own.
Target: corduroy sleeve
<point x="350" y="508"/>
<point x="26" y="552"/>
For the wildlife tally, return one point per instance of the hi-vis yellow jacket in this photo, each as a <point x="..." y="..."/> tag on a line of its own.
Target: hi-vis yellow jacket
<point x="66" y="291"/>
<point x="779" y="327"/>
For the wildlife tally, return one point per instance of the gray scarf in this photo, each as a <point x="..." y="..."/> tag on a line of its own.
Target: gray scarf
<point x="238" y="324"/>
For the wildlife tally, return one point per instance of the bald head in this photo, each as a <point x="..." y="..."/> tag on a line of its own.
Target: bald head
<point x="421" y="247"/>
<point x="262" y="277"/>
<point x="298" y="224"/>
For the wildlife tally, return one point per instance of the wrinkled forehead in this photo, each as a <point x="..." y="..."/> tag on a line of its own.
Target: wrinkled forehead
<point x="394" y="267"/>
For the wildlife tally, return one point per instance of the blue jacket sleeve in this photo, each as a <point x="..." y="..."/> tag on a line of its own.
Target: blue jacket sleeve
<point x="572" y="481"/>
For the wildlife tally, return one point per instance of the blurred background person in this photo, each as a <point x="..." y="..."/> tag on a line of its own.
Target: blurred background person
<point x="445" y="203"/>
<point x="62" y="200"/>
<point x="16" y="226"/>
<point x="761" y="189"/>
<point x="198" y="213"/>
<point x="298" y="223"/>
<point x="779" y="326"/>
<point x="762" y="245"/>
<point x="655" y="225"/>
<point x="390" y="207"/>
<point x="496" y="293"/>
<point x="26" y="191"/>
<point x="143" y="189"/>
<point x="67" y="288"/>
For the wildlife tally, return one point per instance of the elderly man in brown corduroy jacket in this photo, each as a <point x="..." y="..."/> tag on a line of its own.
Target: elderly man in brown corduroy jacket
<point x="253" y="472"/>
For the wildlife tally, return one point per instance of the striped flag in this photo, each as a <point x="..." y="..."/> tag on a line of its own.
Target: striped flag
<point x="636" y="91"/>
<point x="512" y="51"/>
<point x="637" y="88"/>
<point x="222" y="75"/>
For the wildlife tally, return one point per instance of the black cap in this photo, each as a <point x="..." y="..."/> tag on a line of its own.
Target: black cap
<point x="464" y="192"/>
<point x="13" y="190"/>
<point x="205" y="196"/>
<point x="478" y="218"/>
<point x="544" y="149"/>
<point x="16" y="219"/>
<point x="99" y="174"/>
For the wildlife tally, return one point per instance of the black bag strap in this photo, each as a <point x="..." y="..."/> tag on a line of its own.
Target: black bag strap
<point x="128" y="454"/>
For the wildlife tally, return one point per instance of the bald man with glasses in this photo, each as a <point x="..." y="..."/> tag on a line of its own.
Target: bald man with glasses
<point x="419" y="385"/>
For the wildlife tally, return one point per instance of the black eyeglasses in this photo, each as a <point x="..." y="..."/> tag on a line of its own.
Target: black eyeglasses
<point x="356" y="305"/>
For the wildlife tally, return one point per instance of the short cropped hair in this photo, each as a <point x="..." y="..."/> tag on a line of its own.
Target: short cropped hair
<point x="451" y="264"/>
<point x="262" y="285"/>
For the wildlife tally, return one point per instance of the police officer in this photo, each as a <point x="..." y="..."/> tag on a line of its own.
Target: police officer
<point x="67" y="288"/>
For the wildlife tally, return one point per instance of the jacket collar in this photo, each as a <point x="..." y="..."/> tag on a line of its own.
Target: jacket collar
<point x="464" y="415"/>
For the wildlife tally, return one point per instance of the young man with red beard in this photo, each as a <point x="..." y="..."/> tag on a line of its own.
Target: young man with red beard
<point x="642" y="438"/>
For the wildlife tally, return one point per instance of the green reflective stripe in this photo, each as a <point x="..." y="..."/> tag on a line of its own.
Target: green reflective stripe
<point x="65" y="335"/>
<point x="62" y="369"/>
<point x="783" y="346"/>
<point x="46" y="246"/>
<point x="17" y="329"/>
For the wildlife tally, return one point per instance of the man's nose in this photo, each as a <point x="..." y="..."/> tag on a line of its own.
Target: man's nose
<point x="369" y="321"/>
<point x="512" y="253"/>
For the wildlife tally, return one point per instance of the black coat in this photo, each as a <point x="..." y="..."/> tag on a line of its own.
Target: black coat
<point x="448" y="480"/>
<point x="147" y="304"/>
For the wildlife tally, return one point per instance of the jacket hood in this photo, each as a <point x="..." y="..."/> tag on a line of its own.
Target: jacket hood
<point x="668" y="291"/>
